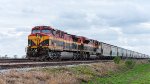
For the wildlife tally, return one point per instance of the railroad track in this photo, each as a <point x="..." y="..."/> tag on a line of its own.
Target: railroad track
<point x="12" y="65"/>
<point x="14" y="60"/>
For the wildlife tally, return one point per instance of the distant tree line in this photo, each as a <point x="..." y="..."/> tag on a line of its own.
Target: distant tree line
<point x="14" y="57"/>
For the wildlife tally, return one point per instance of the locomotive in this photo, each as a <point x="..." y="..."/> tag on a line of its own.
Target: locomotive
<point x="47" y="43"/>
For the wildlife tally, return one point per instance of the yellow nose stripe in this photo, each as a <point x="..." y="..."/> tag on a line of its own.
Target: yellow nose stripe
<point x="37" y="39"/>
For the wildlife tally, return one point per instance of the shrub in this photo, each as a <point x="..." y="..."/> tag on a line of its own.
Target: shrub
<point x="149" y="60"/>
<point x="117" y="59"/>
<point x="130" y="64"/>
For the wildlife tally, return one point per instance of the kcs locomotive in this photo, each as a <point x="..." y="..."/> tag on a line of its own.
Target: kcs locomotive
<point x="47" y="43"/>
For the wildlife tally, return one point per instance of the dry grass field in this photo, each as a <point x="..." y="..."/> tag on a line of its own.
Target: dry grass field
<point x="61" y="75"/>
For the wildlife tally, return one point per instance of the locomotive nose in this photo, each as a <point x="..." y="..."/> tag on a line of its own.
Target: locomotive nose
<point x="34" y="39"/>
<point x="38" y="38"/>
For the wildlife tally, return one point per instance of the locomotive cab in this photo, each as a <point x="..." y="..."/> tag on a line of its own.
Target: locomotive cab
<point x="40" y="36"/>
<point x="39" y="41"/>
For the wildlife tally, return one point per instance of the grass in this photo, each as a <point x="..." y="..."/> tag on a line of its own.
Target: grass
<point x="73" y="75"/>
<point x="140" y="74"/>
<point x="103" y="72"/>
<point x="83" y="70"/>
<point x="117" y="59"/>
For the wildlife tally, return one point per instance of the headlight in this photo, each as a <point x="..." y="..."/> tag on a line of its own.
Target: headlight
<point x="29" y="44"/>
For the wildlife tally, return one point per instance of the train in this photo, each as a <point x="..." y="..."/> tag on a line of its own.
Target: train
<point x="47" y="43"/>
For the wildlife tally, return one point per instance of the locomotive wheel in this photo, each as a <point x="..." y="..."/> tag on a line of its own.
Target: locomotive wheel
<point x="49" y="55"/>
<point x="52" y="55"/>
<point x="88" y="56"/>
<point x="84" y="56"/>
<point x="75" y="56"/>
<point x="42" y="58"/>
<point x="58" y="57"/>
<point x="79" y="56"/>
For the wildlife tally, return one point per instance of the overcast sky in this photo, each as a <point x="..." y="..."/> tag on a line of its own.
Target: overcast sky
<point x="125" y="23"/>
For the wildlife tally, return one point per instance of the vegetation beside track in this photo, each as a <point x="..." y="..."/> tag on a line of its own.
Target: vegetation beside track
<point x="138" y="75"/>
<point x="74" y="74"/>
<point x="131" y="73"/>
<point x="92" y="73"/>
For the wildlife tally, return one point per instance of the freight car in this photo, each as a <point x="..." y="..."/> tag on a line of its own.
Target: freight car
<point x="47" y="43"/>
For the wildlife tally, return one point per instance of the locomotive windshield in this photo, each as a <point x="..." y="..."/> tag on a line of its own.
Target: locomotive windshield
<point x="35" y="31"/>
<point x="46" y="31"/>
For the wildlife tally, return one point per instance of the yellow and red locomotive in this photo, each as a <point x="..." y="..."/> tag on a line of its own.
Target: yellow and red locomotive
<point x="45" y="43"/>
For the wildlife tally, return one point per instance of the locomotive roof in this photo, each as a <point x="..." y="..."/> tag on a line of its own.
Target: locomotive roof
<point x="42" y="27"/>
